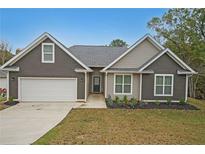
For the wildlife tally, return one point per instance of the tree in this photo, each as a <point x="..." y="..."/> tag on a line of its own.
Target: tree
<point x="5" y="52"/>
<point x="18" y="50"/>
<point x="118" y="43"/>
<point x="183" y="31"/>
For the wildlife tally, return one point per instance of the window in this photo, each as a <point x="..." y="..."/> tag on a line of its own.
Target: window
<point x="123" y="84"/>
<point x="163" y="85"/>
<point x="48" y="53"/>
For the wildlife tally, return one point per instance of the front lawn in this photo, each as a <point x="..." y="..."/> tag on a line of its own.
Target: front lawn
<point x="127" y="126"/>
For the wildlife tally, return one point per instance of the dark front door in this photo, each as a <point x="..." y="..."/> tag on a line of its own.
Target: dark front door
<point x="96" y="84"/>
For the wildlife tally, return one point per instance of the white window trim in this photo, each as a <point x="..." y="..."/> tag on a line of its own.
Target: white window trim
<point x="42" y="53"/>
<point x="123" y="85"/>
<point x="172" y="86"/>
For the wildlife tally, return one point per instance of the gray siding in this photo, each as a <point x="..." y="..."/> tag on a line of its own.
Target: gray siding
<point x="96" y="71"/>
<point x="138" y="56"/>
<point x="31" y="66"/>
<point x="164" y="65"/>
<point x="135" y="86"/>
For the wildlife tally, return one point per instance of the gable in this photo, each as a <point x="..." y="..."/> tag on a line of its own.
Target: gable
<point x="31" y="62"/>
<point x="173" y="57"/>
<point x="32" y="45"/>
<point x="164" y="64"/>
<point x="137" y="56"/>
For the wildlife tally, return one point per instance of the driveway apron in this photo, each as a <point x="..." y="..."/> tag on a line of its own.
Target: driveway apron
<point x="24" y="123"/>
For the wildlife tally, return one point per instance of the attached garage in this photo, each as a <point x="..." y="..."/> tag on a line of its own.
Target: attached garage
<point x="47" y="89"/>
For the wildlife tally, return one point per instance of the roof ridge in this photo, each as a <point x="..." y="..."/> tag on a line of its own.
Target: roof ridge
<point x="97" y="46"/>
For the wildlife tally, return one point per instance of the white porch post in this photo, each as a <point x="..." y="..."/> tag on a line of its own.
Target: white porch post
<point x="140" y="94"/>
<point x="105" y="85"/>
<point x="186" y="87"/>
<point x="7" y="88"/>
<point x="85" y="86"/>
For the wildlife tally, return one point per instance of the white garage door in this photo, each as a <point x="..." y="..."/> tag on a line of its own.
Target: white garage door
<point x="44" y="89"/>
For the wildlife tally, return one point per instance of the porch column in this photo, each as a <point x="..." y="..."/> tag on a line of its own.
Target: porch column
<point x="140" y="93"/>
<point x="85" y="86"/>
<point x="105" y="85"/>
<point x="7" y="86"/>
<point x="186" y="87"/>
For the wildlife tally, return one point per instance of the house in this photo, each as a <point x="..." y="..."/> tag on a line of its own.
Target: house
<point x="46" y="70"/>
<point x="3" y="80"/>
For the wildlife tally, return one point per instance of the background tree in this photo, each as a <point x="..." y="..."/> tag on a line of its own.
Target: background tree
<point x="183" y="31"/>
<point x="118" y="43"/>
<point x="18" y="50"/>
<point x="5" y="52"/>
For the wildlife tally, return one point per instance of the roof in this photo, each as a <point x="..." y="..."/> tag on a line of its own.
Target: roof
<point x="129" y="70"/>
<point x="96" y="56"/>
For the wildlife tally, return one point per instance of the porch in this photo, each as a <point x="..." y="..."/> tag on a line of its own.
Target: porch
<point x="94" y="101"/>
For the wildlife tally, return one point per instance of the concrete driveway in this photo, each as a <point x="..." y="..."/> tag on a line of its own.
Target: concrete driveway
<point x="24" y="123"/>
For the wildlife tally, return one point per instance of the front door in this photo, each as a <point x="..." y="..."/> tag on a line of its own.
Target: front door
<point x="96" y="84"/>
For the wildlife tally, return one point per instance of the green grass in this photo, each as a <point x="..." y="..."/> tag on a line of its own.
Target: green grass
<point x="126" y="126"/>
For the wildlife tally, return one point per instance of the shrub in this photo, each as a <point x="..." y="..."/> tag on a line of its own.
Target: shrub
<point x="11" y="99"/>
<point x="133" y="103"/>
<point x="169" y="101"/>
<point x="2" y="98"/>
<point x="125" y="99"/>
<point x="182" y="101"/>
<point x="157" y="102"/>
<point x="117" y="100"/>
<point x="3" y="92"/>
<point x="109" y="101"/>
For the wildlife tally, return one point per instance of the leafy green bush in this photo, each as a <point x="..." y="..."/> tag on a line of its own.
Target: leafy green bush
<point x="117" y="100"/>
<point x="157" y="102"/>
<point x="182" y="101"/>
<point x="125" y="99"/>
<point x="133" y="102"/>
<point x="169" y="101"/>
<point x="2" y="98"/>
<point x="11" y="99"/>
<point x="109" y="101"/>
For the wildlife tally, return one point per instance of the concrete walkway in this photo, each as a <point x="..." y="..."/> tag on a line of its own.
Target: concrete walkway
<point x="24" y="123"/>
<point x="94" y="101"/>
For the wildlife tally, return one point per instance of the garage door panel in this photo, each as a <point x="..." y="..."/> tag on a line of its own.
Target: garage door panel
<point x="48" y="89"/>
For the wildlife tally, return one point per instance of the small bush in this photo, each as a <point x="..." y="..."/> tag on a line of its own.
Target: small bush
<point x="2" y="98"/>
<point x="109" y="101"/>
<point x="3" y="92"/>
<point x="157" y="102"/>
<point x="117" y="100"/>
<point x="11" y="99"/>
<point x="125" y="99"/>
<point x="169" y="101"/>
<point x="133" y="103"/>
<point x="182" y="101"/>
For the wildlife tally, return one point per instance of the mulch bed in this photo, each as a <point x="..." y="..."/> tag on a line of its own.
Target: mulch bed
<point x="11" y="103"/>
<point x="152" y="105"/>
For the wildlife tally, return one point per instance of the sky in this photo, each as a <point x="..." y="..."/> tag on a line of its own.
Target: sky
<point x="20" y="27"/>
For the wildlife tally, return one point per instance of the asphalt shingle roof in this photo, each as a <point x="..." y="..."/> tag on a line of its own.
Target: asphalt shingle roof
<point x="96" y="56"/>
